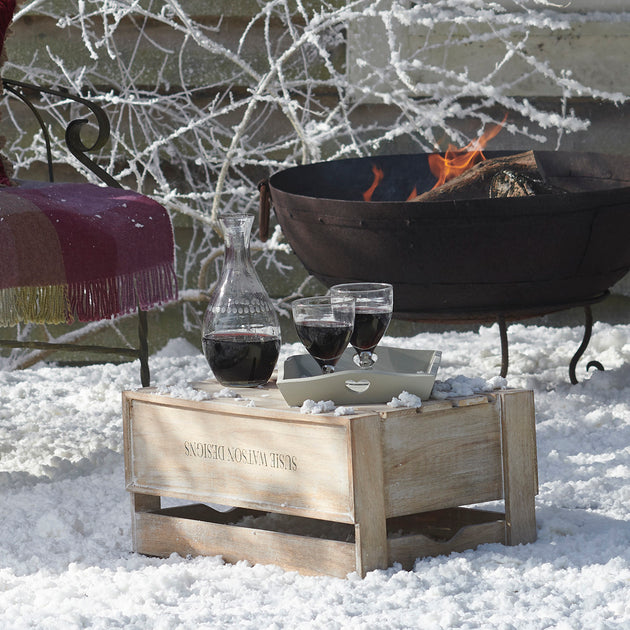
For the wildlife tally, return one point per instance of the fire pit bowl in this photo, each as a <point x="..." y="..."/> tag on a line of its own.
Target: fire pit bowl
<point x="464" y="260"/>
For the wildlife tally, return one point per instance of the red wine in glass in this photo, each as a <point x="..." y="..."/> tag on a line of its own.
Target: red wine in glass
<point x="241" y="359"/>
<point x="324" y="341"/>
<point x="369" y="327"/>
<point x="324" y="325"/>
<point x="374" y="302"/>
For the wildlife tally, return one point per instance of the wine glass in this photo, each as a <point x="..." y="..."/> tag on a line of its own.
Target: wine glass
<point x="374" y="302"/>
<point x="324" y="325"/>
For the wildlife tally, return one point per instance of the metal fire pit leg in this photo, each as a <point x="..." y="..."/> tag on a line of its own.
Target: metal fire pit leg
<point x="504" y="345"/>
<point x="588" y="328"/>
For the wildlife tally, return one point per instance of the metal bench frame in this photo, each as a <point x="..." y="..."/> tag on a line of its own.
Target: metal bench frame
<point x="79" y="150"/>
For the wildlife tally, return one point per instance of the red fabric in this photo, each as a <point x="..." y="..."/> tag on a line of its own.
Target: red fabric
<point x="5" y="180"/>
<point x="7" y="8"/>
<point x="111" y="248"/>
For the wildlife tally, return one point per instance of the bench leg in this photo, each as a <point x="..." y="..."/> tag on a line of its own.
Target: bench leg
<point x="143" y="348"/>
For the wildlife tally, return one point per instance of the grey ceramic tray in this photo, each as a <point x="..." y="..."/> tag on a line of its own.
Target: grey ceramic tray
<point x="397" y="370"/>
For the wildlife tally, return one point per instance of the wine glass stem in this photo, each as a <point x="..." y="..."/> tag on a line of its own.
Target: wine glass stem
<point x="365" y="359"/>
<point x="328" y="369"/>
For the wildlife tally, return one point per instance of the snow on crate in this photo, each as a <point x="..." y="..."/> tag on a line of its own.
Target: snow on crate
<point x="405" y="399"/>
<point x="450" y="388"/>
<point x="325" y="406"/>
<point x="466" y="386"/>
<point x="188" y="392"/>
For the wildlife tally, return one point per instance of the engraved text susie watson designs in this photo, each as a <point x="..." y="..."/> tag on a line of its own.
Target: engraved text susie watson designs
<point x="237" y="455"/>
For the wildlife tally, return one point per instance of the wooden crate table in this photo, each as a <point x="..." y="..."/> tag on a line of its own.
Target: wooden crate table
<point x="327" y="494"/>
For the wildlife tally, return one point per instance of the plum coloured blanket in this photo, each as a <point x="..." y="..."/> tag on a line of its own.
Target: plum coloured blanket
<point x="81" y="250"/>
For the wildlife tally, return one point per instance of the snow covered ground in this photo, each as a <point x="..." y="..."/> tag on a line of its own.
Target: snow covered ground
<point x="65" y="559"/>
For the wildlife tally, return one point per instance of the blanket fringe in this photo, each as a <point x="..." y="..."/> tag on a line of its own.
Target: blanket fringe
<point x="89" y="301"/>
<point x="39" y="305"/>
<point x="109" y="297"/>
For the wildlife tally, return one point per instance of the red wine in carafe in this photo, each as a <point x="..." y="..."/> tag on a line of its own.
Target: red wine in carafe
<point x="240" y="359"/>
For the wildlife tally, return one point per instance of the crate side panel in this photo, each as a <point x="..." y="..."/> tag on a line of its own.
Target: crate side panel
<point x="443" y="459"/>
<point x="240" y="460"/>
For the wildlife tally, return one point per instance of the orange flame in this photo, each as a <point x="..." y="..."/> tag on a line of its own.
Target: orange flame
<point x="378" y="178"/>
<point x="456" y="161"/>
<point x="445" y="167"/>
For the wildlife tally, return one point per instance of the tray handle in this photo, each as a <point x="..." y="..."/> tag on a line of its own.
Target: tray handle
<point x="357" y="386"/>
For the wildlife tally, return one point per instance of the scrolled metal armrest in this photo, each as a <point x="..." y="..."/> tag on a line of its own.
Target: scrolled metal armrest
<point x="73" y="138"/>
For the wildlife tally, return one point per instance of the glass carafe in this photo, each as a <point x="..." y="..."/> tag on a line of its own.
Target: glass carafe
<point x="241" y="332"/>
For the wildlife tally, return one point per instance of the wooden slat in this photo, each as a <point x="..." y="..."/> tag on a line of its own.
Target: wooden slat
<point x="428" y="406"/>
<point x="201" y="531"/>
<point x="369" y="507"/>
<point x="431" y="406"/>
<point x="161" y="535"/>
<point x="468" y="401"/>
<point x="519" y="465"/>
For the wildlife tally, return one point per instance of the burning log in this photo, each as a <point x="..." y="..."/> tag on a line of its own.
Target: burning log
<point x="509" y="183"/>
<point x="508" y="176"/>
